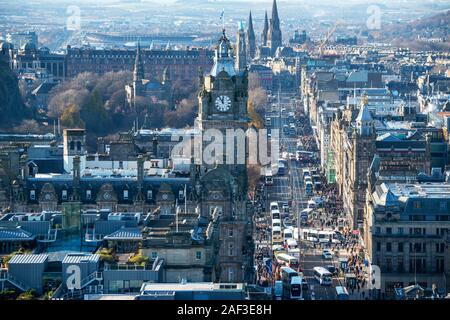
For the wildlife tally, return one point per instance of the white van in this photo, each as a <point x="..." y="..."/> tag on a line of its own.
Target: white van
<point x="287" y="234"/>
<point x="274" y="206"/>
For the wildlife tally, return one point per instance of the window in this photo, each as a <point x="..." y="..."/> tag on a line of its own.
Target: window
<point x="72" y="145"/>
<point x="198" y="255"/>
<point x="443" y="205"/>
<point x="378" y="246"/>
<point x="149" y="194"/>
<point x="400" y="247"/>
<point x="377" y="230"/>
<point x="230" y="233"/>
<point x="64" y="194"/>
<point x="125" y="194"/>
<point x="388" y="230"/>
<point x="181" y="194"/>
<point x="400" y="267"/>
<point x="79" y="145"/>
<point x="120" y="164"/>
<point x="230" y="250"/>
<point x="88" y="194"/>
<point x="388" y="247"/>
<point x="417" y="204"/>
<point x="400" y="230"/>
<point x="32" y="195"/>
<point x="440" y="265"/>
<point x="154" y="255"/>
<point x="388" y="265"/>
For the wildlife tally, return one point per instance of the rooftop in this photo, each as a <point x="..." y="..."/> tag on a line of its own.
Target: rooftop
<point x="28" y="259"/>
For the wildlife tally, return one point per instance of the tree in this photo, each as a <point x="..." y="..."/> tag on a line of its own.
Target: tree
<point x="94" y="114"/>
<point x="253" y="175"/>
<point x="28" y="126"/>
<point x="71" y="118"/>
<point x="27" y="295"/>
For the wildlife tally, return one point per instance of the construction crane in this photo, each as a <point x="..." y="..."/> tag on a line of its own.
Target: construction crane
<point x="330" y="33"/>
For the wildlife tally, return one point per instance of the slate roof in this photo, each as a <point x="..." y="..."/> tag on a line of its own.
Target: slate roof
<point x="125" y="234"/>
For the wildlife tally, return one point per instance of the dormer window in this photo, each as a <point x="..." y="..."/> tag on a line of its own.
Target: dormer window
<point x="88" y="194"/>
<point x="149" y="194"/>
<point x="32" y="194"/>
<point x="64" y="195"/>
<point x="125" y="194"/>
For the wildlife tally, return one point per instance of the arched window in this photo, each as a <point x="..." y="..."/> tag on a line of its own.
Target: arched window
<point x="79" y="145"/>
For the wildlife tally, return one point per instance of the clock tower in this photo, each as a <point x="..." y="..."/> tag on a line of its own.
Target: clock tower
<point x="223" y="97"/>
<point x="222" y="185"/>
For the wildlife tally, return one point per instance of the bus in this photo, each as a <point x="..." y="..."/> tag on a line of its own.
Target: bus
<point x="304" y="155"/>
<point x="276" y="223"/>
<point x="309" y="235"/>
<point x="326" y="236"/>
<point x="323" y="276"/>
<point x="281" y="168"/>
<point x="304" y="215"/>
<point x="341" y="293"/>
<point x="277" y="237"/>
<point x="276" y="214"/>
<point x="286" y="274"/>
<point x="287" y="260"/>
<point x="268" y="122"/>
<point x="296" y="288"/>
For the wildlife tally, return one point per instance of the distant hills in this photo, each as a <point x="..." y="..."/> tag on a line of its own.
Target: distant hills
<point x="429" y="33"/>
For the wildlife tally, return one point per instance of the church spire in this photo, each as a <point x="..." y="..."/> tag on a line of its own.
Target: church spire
<point x="251" y="41"/>
<point x="274" y="38"/>
<point x="265" y="32"/>
<point x="241" y="55"/>
<point x="138" y="73"/>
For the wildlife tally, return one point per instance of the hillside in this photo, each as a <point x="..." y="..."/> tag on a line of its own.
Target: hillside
<point x="419" y="34"/>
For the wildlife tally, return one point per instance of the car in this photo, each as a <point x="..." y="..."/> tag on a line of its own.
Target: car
<point x="333" y="270"/>
<point x="287" y="222"/>
<point x="327" y="255"/>
<point x="318" y="201"/>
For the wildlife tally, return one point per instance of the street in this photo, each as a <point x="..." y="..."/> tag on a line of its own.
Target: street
<point x="289" y="188"/>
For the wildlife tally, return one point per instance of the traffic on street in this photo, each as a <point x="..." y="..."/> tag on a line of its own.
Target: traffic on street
<point x="305" y="248"/>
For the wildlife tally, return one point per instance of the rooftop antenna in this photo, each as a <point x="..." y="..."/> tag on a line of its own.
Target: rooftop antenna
<point x="222" y="18"/>
<point x="185" y="199"/>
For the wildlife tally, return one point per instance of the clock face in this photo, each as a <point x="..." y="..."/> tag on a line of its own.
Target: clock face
<point x="107" y="196"/>
<point x="223" y="103"/>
